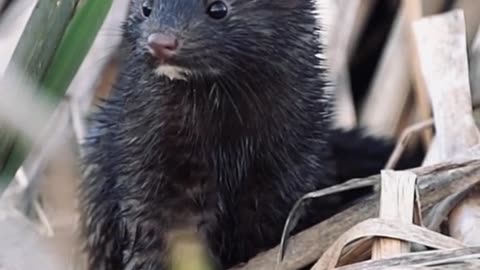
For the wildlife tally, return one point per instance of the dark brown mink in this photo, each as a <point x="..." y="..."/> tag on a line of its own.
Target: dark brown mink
<point x="218" y="122"/>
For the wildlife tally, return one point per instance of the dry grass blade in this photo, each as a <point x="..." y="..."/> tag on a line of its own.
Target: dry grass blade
<point x="396" y="204"/>
<point x="403" y="141"/>
<point x="441" y="211"/>
<point x="360" y="251"/>
<point x="419" y="259"/>
<point x="31" y="123"/>
<point x="444" y="67"/>
<point x="464" y="219"/>
<point x="396" y="187"/>
<point x="433" y="155"/>
<point x="472" y="20"/>
<point x="22" y="191"/>
<point x="384" y="228"/>
<point x="414" y="12"/>
<point x="350" y="17"/>
<point x="390" y="87"/>
<point x="13" y="103"/>
<point x="456" y="266"/>
<point x="22" y="194"/>
<point x="475" y="68"/>
<point x="294" y="213"/>
<point x="444" y="63"/>
<point x="78" y="122"/>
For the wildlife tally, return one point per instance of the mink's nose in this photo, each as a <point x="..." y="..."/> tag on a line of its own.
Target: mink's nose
<point x="162" y="46"/>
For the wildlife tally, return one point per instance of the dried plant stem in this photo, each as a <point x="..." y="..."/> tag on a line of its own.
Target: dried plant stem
<point x="390" y="86"/>
<point x="414" y="12"/>
<point x="397" y="204"/>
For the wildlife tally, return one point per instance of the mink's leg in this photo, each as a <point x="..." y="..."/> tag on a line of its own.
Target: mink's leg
<point x="136" y="240"/>
<point x="137" y="228"/>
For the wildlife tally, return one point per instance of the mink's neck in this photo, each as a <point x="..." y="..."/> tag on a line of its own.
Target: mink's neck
<point x="231" y="107"/>
<point x="262" y="107"/>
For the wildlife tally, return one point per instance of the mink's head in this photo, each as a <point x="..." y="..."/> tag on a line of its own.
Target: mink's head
<point x="182" y="38"/>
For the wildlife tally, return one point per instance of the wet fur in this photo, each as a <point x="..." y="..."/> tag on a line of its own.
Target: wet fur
<point x="227" y="151"/>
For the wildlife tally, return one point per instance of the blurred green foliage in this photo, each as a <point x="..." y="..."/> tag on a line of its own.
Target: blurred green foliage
<point x="51" y="49"/>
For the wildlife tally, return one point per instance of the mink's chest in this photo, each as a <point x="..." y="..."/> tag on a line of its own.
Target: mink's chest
<point x="201" y="151"/>
<point x="204" y="144"/>
<point x="195" y="137"/>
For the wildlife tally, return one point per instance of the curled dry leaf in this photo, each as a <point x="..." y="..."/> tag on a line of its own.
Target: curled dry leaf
<point x="295" y="213"/>
<point x="459" y="256"/>
<point x="384" y="228"/>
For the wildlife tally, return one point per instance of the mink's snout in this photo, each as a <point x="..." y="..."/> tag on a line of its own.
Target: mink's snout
<point x="163" y="46"/>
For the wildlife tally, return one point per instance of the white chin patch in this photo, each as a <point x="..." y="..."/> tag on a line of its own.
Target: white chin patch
<point x="172" y="72"/>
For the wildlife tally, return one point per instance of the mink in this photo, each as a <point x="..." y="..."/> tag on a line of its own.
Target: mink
<point x="218" y="122"/>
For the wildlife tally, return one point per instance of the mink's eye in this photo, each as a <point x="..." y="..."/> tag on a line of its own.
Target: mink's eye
<point x="146" y="8"/>
<point x="217" y="10"/>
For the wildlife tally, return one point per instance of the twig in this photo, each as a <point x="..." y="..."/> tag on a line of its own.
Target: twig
<point x="43" y="217"/>
<point x="404" y="139"/>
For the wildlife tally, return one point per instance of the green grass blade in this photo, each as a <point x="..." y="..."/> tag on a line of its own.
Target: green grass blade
<point x="75" y="44"/>
<point x="34" y="52"/>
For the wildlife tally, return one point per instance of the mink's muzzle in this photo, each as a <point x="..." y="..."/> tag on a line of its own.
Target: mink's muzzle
<point x="162" y="46"/>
